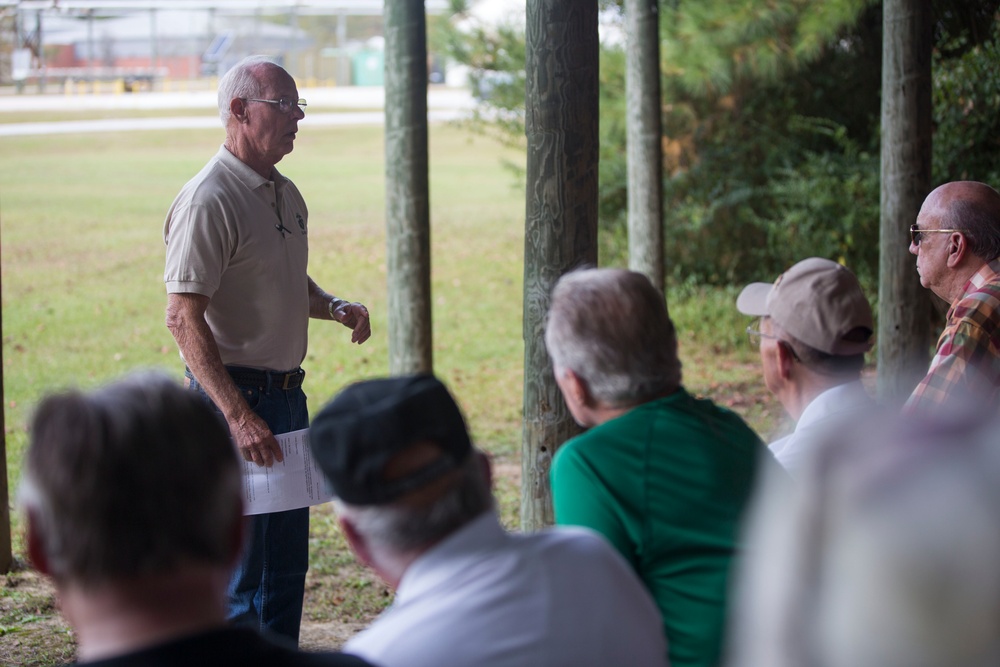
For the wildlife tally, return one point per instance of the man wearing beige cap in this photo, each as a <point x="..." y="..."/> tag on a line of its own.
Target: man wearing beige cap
<point x="815" y="327"/>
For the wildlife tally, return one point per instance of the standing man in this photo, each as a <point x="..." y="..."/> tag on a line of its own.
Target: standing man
<point x="957" y="243"/>
<point x="664" y="476"/>
<point x="815" y="327"/>
<point x="238" y="304"/>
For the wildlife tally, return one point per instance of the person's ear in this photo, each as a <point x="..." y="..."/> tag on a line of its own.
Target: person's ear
<point x="786" y="359"/>
<point x="957" y="248"/>
<point x="486" y="465"/>
<point x="238" y="109"/>
<point x="36" y="548"/>
<point x="357" y="542"/>
<point x="577" y="388"/>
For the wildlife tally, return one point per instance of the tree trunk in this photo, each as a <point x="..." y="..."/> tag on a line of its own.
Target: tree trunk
<point x="645" y="154"/>
<point x="904" y="306"/>
<point x="407" y="207"/>
<point x="561" y="106"/>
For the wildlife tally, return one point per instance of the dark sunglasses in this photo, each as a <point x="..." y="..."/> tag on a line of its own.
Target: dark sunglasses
<point x="915" y="233"/>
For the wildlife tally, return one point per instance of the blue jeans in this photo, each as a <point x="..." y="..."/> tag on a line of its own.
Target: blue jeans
<point x="268" y="585"/>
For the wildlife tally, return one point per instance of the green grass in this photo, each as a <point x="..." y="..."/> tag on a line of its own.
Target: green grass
<point x="83" y="299"/>
<point x="82" y="256"/>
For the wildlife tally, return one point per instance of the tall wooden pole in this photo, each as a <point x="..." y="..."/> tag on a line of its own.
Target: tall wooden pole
<point x="904" y="306"/>
<point x="561" y="105"/>
<point x="645" y="152"/>
<point x="407" y="199"/>
<point x="6" y="556"/>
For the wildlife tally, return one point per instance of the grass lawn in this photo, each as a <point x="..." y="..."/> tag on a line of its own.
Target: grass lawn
<point x="83" y="300"/>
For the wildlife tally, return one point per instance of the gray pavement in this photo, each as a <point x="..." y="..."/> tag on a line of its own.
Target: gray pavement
<point x="361" y="106"/>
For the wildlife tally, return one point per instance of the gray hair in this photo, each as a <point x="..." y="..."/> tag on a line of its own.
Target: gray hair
<point x="885" y="555"/>
<point x="611" y="327"/>
<point x="134" y="478"/>
<point x="403" y="528"/>
<point x="242" y="80"/>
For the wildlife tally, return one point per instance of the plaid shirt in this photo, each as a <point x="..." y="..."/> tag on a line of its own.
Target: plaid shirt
<point x="967" y="362"/>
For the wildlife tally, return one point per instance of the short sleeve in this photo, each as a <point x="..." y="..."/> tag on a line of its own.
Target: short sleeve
<point x="581" y="497"/>
<point x="198" y="250"/>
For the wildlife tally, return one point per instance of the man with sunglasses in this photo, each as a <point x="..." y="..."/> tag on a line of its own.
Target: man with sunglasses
<point x="957" y="243"/>
<point x="815" y="327"/>
<point x="239" y="301"/>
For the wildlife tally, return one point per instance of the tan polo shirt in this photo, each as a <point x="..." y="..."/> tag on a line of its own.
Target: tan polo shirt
<point x="242" y="241"/>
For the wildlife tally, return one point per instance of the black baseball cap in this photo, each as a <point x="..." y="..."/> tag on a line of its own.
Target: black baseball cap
<point x="357" y="433"/>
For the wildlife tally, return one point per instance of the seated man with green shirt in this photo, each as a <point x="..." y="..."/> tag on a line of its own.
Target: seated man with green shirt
<point x="663" y="475"/>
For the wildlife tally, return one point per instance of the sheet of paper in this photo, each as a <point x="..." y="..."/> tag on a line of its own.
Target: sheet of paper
<point x="293" y="483"/>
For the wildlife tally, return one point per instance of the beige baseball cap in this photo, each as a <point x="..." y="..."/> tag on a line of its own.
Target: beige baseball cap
<point x="818" y="301"/>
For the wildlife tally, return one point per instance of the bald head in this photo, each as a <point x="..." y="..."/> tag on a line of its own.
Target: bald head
<point x="971" y="207"/>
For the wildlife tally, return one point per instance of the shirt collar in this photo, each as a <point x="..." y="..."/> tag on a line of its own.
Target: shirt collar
<point x="848" y="396"/>
<point x="250" y="178"/>
<point x="482" y="534"/>
<point x="986" y="273"/>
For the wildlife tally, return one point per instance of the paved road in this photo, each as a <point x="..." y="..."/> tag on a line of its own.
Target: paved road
<point x="443" y="104"/>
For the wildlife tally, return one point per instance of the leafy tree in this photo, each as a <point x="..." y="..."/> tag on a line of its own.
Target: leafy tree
<point x="771" y="126"/>
<point x="966" y="99"/>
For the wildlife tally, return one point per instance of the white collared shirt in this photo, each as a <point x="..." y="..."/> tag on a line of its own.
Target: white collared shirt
<point x="490" y="598"/>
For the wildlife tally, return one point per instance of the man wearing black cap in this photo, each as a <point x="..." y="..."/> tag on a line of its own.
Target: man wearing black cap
<point x="815" y="327"/>
<point x="415" y="504"/>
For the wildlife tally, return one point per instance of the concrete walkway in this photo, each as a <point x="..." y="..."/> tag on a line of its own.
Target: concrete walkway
<point x="362" y="106"/>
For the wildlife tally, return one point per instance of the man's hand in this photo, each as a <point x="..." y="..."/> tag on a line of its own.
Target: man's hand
<point x="254" y="439"/>
<point x="354" y="316"/>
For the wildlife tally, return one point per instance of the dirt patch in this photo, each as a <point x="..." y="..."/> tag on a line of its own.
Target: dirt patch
<point x="31" y="630"/>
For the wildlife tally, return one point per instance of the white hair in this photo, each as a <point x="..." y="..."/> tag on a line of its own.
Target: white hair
<point x="401" y="528"/>
<point x="885" y="555"/>
<point x="241" y="81"/>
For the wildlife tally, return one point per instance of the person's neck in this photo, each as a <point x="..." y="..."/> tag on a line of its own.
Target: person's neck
<point x="120" y="618"/>
<point x="242" y="150"/>
<point x="961" y="278"/>
<point x="806" y="388"/>
<point x="602" y="412"/>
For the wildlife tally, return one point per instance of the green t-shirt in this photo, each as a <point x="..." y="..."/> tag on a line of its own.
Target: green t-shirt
<point x="667" y="483"/>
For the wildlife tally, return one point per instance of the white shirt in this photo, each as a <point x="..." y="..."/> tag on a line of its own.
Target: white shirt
<point x="490" y="598"/>
<point x="832" y="407"/>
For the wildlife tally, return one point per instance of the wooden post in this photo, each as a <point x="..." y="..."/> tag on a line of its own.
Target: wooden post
<point x="645" y="152"/>
<point x="6" y="556"/>
<point x="407" y="199"/>
<point x="904" y="306"/>
<point x="561" y="106"/>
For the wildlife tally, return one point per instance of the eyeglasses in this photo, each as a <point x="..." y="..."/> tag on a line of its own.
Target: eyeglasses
<point x="755" y="335"/>
<point x="915" y="233"/>
<point x="285" y="104"/>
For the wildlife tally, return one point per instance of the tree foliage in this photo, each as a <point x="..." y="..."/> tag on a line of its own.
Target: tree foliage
<point x="967" y="106"/>
<point x="771" y="126"/>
